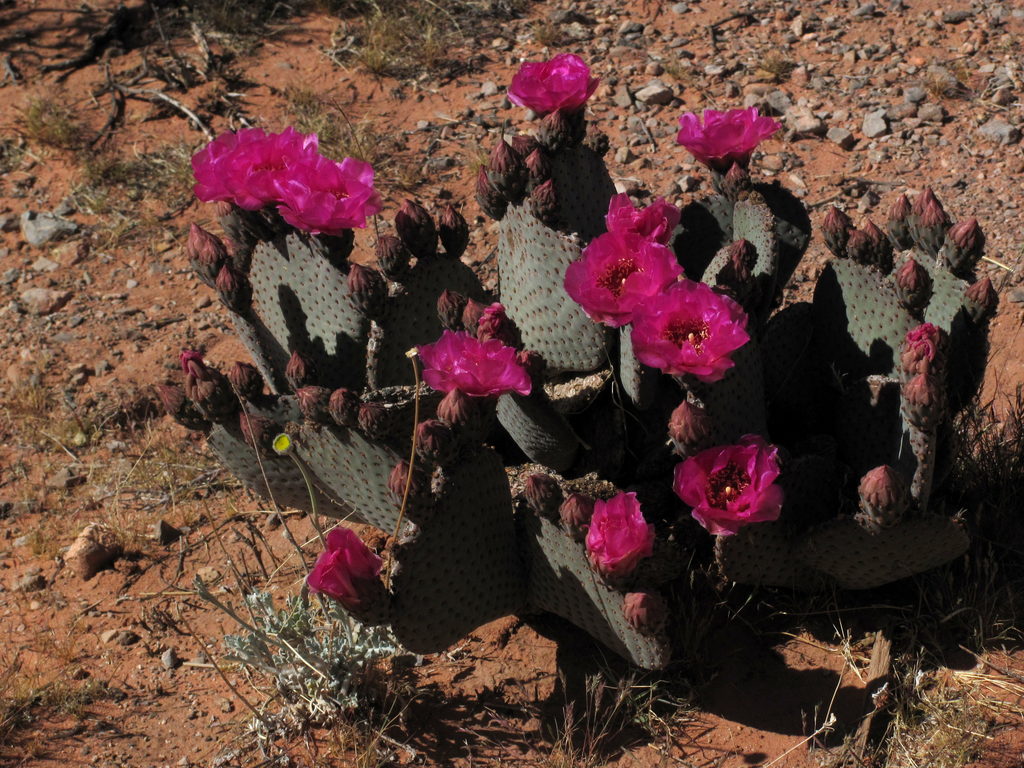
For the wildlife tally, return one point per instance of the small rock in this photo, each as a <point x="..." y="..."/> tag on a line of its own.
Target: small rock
<point x="630" y="28"/>
<point x="779" y="101"/>
<point x="865" y="10"/>
<point x="43" y="264"/>
<point x="489" y="88"/>
<point x="226" y="705"/>
<point x="772" y="162"/>
<point x="809" y="124"/>
<point x="680" y="8"/>
<point x="119" y="636"/>
<point x="165" y="533"/>
<point x="63" y="479"/>
<point x="655" y="92"/>
<point x="622" y="98"/>
<point x="40" y="228"/>
<point x="688" y="183"/>
<point x="874" y="124"/>
<point x="931" y="113"/>
<point x="169" y="659"/>
<point x="1000" y="131"/>
<point x="10" y="276"/>
<point x="915" y="94"/>
<point x="1003" y="96"/>
<point x="1017" y="296"/>
<point x="844" y="138"/>
<point x="714" y="70"/>
<point x="624" y="155"/>
<point x="208" y="574"/>
<point x="33" y="581"/>
<point x="95" y="548"/>
<point x="44" y="301"/>
<point x="956" y="17"/>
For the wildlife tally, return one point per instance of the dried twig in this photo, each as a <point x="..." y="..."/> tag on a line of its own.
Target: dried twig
<point x="153" y="95"/>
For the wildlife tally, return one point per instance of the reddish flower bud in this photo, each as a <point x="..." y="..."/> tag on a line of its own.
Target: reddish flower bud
<point x="373" y="420"/>
<point x="192" y="363"/>
<point x="835" y="228"/>
<point x="544" y="202"/>
<point x="898" y="223"/>
<point x="880" y="249"/>
<point x="645" y="611"/>
<point x="929" y="222"/>
<point x="450" y="306"/>
<point x="178" y="407"/>
<point x="963" y="247"/>
<point x="923" y="401"/>
<point x="245" y="380"/>
<point x="495" y="323"/>
<point x="258" y="432"/>
<point x="462" y="411"/>
<point x="206" y="253"/>
<point x="913" y="285"/>
<point x="884" y="497"/>
<point x="234" y="289"/>
<point x="392" y="257"/>
<point x="207" y="388"/>
<point x="735" y="183"/>
<point x="981" y="300"/>
<point x="858" y="246"/>
<point x="416" y="228"/>
<point x="543" y="494"/>
<point x="454" y="232"/>
<point x="562" y="130"/>
<point x="489" y="198"/>
<point x="300" y="371"/>
<point x="575" y="513"/>
<point x="538" y="168"/>
<point x="523" y="144"/>
<point x="418" y="483"/>
<point x="436" y="443"/>
<point x="314" y="402"/>
<point x="736" y="275"/>
<point x="690" y="428"/>
<point x="343" y="407"/>
<point x="507" y="171"/>
<point x="596" y="141"/>
<point x="368" y="290"/>
<point x="471" y="315"/>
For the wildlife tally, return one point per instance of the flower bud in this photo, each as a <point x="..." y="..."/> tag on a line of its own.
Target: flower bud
<point x="561" y="130"/>
<point x="373" y="420"/>
<point x="245" y="380"/>
<point x="206" y="253"/>
<point x="544" y="203"/>
<point x="471" y="315"/>
<point x="981" y="300"/>
<point x="735" y="183"/>
<point x="192" y="363"/>
<point x="835" y="228"/>
<point x="884" y="497"/>
<point x="207" y="388"/>
<point x="532" y="362"/>
<point x="880" y="249"/>
<point x="450" y="306"/>
<point x="234" y="289"/>
<point x="922" y="401"/>
<point x="368" y="290"/>
<point x="314" y="402"/>
<point x="177" y="406"/>
<point x="858" y="246"/>
<point x="399" y="479"/>
<point x="538" y="168"/>
<point x="929" y="222"/>
<point x="963" y="247"/>
<point x="258" y="432"/>
<point x="543" y="494"/>
<point x="898" y="223"/>
<point x="490" y="199"/>
<point x="575" y="513"/>
<point x="736" y="275"/>
<point x="392" y="257"/>
<point x="523" y="144"/>
<point x="454" y="232"/>
<point x="507" y="172"/>
<point x="416" y="228"/>
<point x="596" y="141"/>
<point x="300" y="371"/>
<point x="689" y="428"/>
<point x="463" y="412"/>
<point x="646" y="612"/>
<point x="343" y="407"/>
<point x="436" y="443"/>
<point x="913" y="286"/>
<point x="495" y="323"/>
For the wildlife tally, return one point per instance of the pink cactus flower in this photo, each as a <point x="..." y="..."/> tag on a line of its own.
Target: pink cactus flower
<point x="689" y="329"/>
<point x="244" y="167"/>
<point x="730" y="486"/>
<point x="321" y="196"/>
<point x="475" y="368"/>
<point x="619" y="537"/>
<point x="616" y="272"/>
<point x="725" y="137"/>
<point x="563" y="83"/>
<point x="344" y="569"/>
<point x="655" y="222"/>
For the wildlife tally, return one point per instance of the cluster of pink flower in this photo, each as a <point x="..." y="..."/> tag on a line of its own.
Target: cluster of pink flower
<point x="476" y="368"/>
<point x="253" y="169"/>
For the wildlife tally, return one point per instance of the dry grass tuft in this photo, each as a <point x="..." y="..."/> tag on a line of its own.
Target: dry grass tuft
<point x="51" y="122"/>
<point x="775" y="68"/>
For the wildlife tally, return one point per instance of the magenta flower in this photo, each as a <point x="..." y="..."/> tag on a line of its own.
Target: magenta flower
<point x="245" y="167"/>
<point x="725" y="137"/>
<point x="563" y="83"/>
<point x="345" y="569"/>
<point x="475" y="368"/>
<point x="655" y="222"/>
<point x="616" y="272"/>
<point x="689" y="329"/>
<point x="321" y="196"/>
<point x="730" y="486"/>
<point x="619" y="537"/>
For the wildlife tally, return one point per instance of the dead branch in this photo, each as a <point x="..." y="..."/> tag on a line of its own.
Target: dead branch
<point x="97" y="43"/>
<point x="152" y="95"/>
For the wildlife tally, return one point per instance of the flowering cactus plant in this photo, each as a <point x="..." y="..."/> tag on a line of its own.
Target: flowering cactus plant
<point x="634" y="352"/>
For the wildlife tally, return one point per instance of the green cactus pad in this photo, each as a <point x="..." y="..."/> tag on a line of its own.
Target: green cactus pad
<point x="764" y="554"/>
<point x="858" y="322"/>
<point x="791" y="379"/>
<point x="869" y="428"/>
<point x="640" y="382"/>
<point x="736" y="404"/>
<point x="271" y="476"/>
<point x="947" y="297"/>
<point x="532" y="259"/>
<point x="583" y="188"/>
<point x="704" y="227"/>
<point x="562" y="582"/>
<point x="753" y="221"/>
<point x="538" y="429"/>
<point x="268" y="356"/>
<point x="857" y="559"/>
<point x="792" y="227"/>
<point x="410" y="316"/>
<point x="461" y="568"/>
<point x="304" y="303"/>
